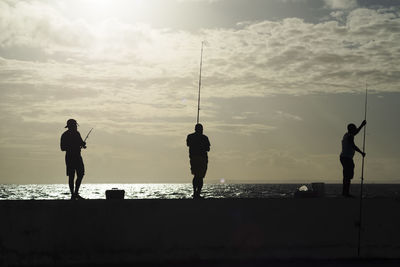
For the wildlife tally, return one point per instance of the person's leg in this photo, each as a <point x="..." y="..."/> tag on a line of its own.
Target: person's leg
<point x="348" y="173"/>
<point x="199" y="186"/>
<point x="202" y="173"/>
<point x="195" y="163"/>
<point x="78" y="184"/>
<point x="71" y="183"/>
<point x="193" y="171"/>
<point x="346" y="187"/>
<point x="194" y="187"/>
<point x="70" y="170"/>
<point x="80" y="172"/>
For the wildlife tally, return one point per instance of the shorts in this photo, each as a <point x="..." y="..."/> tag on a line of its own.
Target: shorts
<point x="74" y="163"/>
<point x="198" y="166"/>
<point x="348" y="167"/>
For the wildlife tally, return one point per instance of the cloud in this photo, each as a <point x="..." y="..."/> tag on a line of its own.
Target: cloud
<point x="34" y="24"/>
<point x="240" y="128"/>
<point x="121" y="72"/>
<point x="341" y="4"/>
<point x="286" y="115"/>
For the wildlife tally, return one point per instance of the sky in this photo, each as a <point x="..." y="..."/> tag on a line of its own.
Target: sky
<point x="281" y="79"/>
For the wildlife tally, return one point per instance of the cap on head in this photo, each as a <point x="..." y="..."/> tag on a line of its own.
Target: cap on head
<point x="351" y="127"/>
<point x="71" y="122"/>
<point x="198" y="128"/>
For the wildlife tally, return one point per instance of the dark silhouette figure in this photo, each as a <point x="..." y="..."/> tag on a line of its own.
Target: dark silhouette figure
<point x="199" y="145"/>
<point x="346" y="157"/>
<point x="71" y="143"/>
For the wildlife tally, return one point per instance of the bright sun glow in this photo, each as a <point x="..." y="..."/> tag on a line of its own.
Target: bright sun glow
<point x="102" y="9"/>
<point x="108" y="19"/>
<point x="99" y="10"/>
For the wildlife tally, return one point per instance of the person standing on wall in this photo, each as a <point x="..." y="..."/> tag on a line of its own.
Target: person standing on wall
<point x="72" y="143"/>
<point x="199" y="145"/>
<point x="347" y="154"/>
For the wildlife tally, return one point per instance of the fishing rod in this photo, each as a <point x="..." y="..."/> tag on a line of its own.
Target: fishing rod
<point x="198" y="98"/>
<point x="87" y="135"/>
<point x="362" y="174"/>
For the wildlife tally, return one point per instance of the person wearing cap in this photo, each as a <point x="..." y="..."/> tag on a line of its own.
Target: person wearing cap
<point x="72" y="143"/>
<point x="199" y="145"/>
<point x="347" y="154"/>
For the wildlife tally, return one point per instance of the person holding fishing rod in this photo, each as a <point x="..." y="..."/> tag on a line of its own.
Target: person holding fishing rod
<point x="347" y="154"/>
<point x="72" y="143"/>
<point x="199" y="145"/>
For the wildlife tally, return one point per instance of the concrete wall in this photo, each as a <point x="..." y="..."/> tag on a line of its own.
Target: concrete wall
<point x="104" y="231"/>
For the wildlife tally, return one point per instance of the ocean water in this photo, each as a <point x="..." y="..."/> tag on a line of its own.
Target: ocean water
<point x="184" y="191"/>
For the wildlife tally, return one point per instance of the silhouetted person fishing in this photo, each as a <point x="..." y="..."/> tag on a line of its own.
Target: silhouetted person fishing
<point x="347" y="154"/>
<point x="199" y="145"/>
<point x="71" y="143"/>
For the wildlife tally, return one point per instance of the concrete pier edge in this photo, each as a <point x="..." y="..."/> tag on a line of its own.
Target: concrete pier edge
<point x="217" y="231"/>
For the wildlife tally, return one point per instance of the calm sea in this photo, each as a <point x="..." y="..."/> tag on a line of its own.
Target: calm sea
<point x="182" y="191"/>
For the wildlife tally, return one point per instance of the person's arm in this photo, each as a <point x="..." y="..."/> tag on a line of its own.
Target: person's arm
<point x="187" y="141"/>
<point x="361" y="126"/>
<point x="83" y="144"/>
<point x="208" y="145"/>
<point x="62" y="143"/>
<point x="356" y="147"/>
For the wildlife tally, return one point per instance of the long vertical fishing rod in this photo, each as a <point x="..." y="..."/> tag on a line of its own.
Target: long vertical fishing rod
<point x="198" y="99"/>
<point x="362" y="175"/>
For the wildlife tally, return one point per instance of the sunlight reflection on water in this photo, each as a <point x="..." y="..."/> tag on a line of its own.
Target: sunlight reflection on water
<point x="179" y="191"/>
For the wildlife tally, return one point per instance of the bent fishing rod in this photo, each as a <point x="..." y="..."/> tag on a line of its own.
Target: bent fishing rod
<point x="362" y="174"/>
